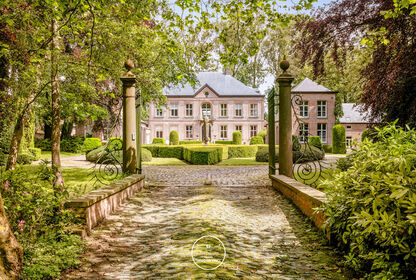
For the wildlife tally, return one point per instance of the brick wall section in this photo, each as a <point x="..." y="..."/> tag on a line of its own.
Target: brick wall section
<point x="354" y="130"/>
<point x="96" y="206"/>
<point x="304" y="197"/>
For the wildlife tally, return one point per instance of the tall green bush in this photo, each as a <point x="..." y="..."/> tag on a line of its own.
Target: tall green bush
<point x="256" y="140"/>
<point x="338" y="139"/>
<point x="315" y="141"/>
<point x="173" y="138"/>
<point x="371" y="206"/>
<point x="237" y="138"/>
<point x="263" y="134"/>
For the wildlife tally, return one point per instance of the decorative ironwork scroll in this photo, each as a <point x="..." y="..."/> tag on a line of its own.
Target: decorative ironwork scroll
<point x="308" y="167"/>
<point x="108" y="167"/>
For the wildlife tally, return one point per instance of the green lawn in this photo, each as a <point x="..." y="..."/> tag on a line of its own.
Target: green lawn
<point x="240" y="161"/>
<point x="165" y="161"/>
<point x="47" y="155"/>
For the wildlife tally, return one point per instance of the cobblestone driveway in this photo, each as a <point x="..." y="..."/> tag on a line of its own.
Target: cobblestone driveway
<point x="151" y="237"/>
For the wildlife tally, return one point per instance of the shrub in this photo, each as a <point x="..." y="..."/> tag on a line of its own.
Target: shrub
<point x="189" y="142"/>
<point x="224" y="142"/>
<point x="242" y="151"/>
<point x="91" y="144"/>
<point x="3" y="159"/>
<point x="263" y="134"/>
<point x="305" y="154"/>
<point x="262" y="154"/>
<point x="365" y="134"/>
<point x="95" y="154"/>
<point x="173" y="138"/>
<point x="72" y="144"/>
<point x="371" y="206"/>
<point x="146" y="155"/>
<point x="237" y="138"/>
<point x="170" y="152"/>
<point x="327" y="148"/>
<point x="315" y="141"/>
<point x="256" y="140"/>
<point x="344" y="163"/>
<point x="36" y="152"/>
<point x="338" y="139"/>
<point x="154" y="149"/>
<point x="223" y="148"/>
<point x="115" y="143"/>
<point x="25" y="158"/>
<point x="295" y="143"/>
<point x="158" y="141"/>
<point x="203" y="155"/>
<point x="43" y="144"/>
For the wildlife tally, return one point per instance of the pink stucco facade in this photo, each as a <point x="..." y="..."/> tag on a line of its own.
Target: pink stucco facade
<point x="225" y="119"/>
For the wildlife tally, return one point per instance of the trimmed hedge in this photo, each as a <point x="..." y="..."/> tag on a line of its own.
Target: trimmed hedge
<point x="101" y="154"/>
<point x="338" y="140"/>
<point x="256" y="140"/>
<point x="237" y="138"/>
<point x="327" y="148"/>
<point x="158" y="141"/>
<point x="262" y="154"/>
<point x="173" y="138"/>
<point x="36" y="152"/>
<point x="305" y="154"/>
<point x="91" y="144"/>
<point x="190" y="142"/>
<point x="295" y="143"/>
<point x="164" y="151"/>
<point x="25" y="158"/>
<point x="203" y="155"/>
<point x="263" y="134"/>
<point x="242" y="151"/>
<point x="315" y="141"/>
<point x="70" y="145"/>
<point x="224" y="142"/>
<point x="146" y="155"/>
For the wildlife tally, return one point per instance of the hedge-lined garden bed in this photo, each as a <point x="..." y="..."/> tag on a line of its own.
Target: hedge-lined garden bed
<point x="203" y="155"/>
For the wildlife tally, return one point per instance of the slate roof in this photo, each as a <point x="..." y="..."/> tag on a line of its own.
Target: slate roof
<point x="223" y="85"/>
<point x="307" y="85"/>
<point x="352" y="114"/>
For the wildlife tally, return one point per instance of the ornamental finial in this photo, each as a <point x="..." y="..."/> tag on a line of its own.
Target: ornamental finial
<point x="129" y="64"/>
<point x="284" y="64"/>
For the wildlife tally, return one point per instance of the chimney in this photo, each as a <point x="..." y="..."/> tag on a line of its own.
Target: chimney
<point x="227" y="71"/>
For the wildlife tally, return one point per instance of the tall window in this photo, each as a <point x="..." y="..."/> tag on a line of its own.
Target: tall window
<point x="253" y="110"/>
<point x="174" y="110"/>
<point x="304" y="109"/>
<point x="238" y="110"/>
<point x="188" y="110"/>
<point x="303" y="132"/>
<point x="189" y="131"/>
<point x="239" y="128"/>
<point x="159" y="132"/>
<point x="223" y="131"/>
<point x="206" y="110"/>
<point x="223" y="110"/>
<point x="321" y="109"/>
<point x="253" y="130"/>
<point x="159" y="112"/>
<point x="322" y="131"/>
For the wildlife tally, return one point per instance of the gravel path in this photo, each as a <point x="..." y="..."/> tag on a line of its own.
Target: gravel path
<point x="152" y="236"/>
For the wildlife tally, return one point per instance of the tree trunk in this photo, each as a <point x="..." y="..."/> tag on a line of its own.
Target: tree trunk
<point x="11" y="253"/>
<point x="15" y="143"/>
<point x="56" y="111"/>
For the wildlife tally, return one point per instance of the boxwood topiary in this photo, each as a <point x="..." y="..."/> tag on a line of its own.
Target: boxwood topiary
<point x="146" y="155"/>
<point x="157" y="140"/>
<point x="170" y="152"/>
<point x="91" y="144"/>
<point x="327" y="148"/>
<point x="242" y="151"/>
<point x="224" y="142"/>
<point x="190" y="142"/>
<point x="237" y="138"/>
<point x="173" y="138"/>
<point x="315" y="141"/>
<point x="256" y="140"/>
<point x="338" y="139"/>
<point x="203" y="155"/>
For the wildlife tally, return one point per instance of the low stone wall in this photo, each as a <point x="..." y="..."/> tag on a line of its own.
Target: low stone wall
<point x="95" y="206"/>
<point x="304" y="197"/>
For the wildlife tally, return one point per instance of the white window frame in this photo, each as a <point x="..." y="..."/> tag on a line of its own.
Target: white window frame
<point x="174" y="108"/>
<point x="206" y="110"/>
<point x="348" y="141"/>
<point x="239" y="126"/>
<point x="321" y="111"/>
<point x="189" y="131"/>
<point x="223" y="132"/>
<point x="304" y="109"/>
<point x="253" y="130"/>
<point x="189" y="109"/>
<point x="223" y="110"/>
<point x="159" y="112"/>
<point x="159" y="132"/>
<point x="303" y="133"/>
<point x="322" y="133"/>
<point x="238" y="110"/>
<point x="254" y="110"/>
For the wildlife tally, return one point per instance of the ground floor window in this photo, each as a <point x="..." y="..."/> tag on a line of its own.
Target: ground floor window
<point x="303" y="132"/>
<point x="253" y="130"/>
<point x="322" y="131"/>
<point x="159" y="132"/>
<point x="223" y="131"/>
<point x="349" y="141"/>
<point x="239" y="128"/>
<point x="189" y="131"/>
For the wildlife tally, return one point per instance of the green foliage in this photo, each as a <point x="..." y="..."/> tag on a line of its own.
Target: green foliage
<point x="3" y="159"/>
<point x="327" y="148"/>
<point x="25" y="158"/>
<point x="295" y="143"/>
<point x="224" y="142"/>
<point x="170" y="152"/>
<point x="237" y="138"/>
<point x="36" y="152"/>
<point x="190" y="142"/>
<point x="72" y="144"/>
<point x="157" y="140"/>
<point x="91" y="144"/>
<point x="146" y="155"/>
<point x="315" y="141"/>
<point x="95" y="154"/>
<point x="262" y="154"/>
<point x="203" y="155"/>
<point x="256" y="140"/>
<point x="115" y="143"/>
<point x="101" y="154"/>
<point x="338" y="139"/>
<point x="371" y="206"/>
<point x="242" y="151"/>
<point x="305" y="154"/>
<point x="365" y="134"/>
<point x="154" y="149"/>
<point x="173" y="138"/>
<point x="43" y="144"/>
<point x="344" y="163"/>
<point x="263" y="134"/>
